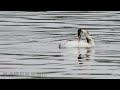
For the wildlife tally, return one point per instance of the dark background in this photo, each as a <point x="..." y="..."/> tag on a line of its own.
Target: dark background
<point x="59" y="5"/>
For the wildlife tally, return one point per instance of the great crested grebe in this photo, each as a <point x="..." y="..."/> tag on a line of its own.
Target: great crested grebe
<point x="79" y="43"/>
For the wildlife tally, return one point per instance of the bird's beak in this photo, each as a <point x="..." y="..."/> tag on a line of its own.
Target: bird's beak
<point x="79" y="37"/>
<point x="79" y="34"/>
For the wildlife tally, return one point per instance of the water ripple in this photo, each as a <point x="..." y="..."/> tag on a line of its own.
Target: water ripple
<point x="29" y="43"/>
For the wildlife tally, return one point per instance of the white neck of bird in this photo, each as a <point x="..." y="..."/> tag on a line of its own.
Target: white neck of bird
<point x="89" y="40"/>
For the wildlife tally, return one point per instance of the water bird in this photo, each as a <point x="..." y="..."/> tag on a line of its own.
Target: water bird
<point x="79" y="43"/>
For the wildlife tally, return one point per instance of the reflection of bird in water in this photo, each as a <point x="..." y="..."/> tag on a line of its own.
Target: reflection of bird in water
<point x="83" y="55"/>
<point x="86" y="56"/>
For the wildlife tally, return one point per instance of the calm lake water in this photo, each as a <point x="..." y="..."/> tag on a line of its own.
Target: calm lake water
<point x="29" y="45"/>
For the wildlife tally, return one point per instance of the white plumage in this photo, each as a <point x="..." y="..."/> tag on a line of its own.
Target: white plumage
<point x="75" y="43"/>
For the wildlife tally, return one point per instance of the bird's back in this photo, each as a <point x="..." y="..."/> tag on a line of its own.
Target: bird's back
<point x="75" y="44"/>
